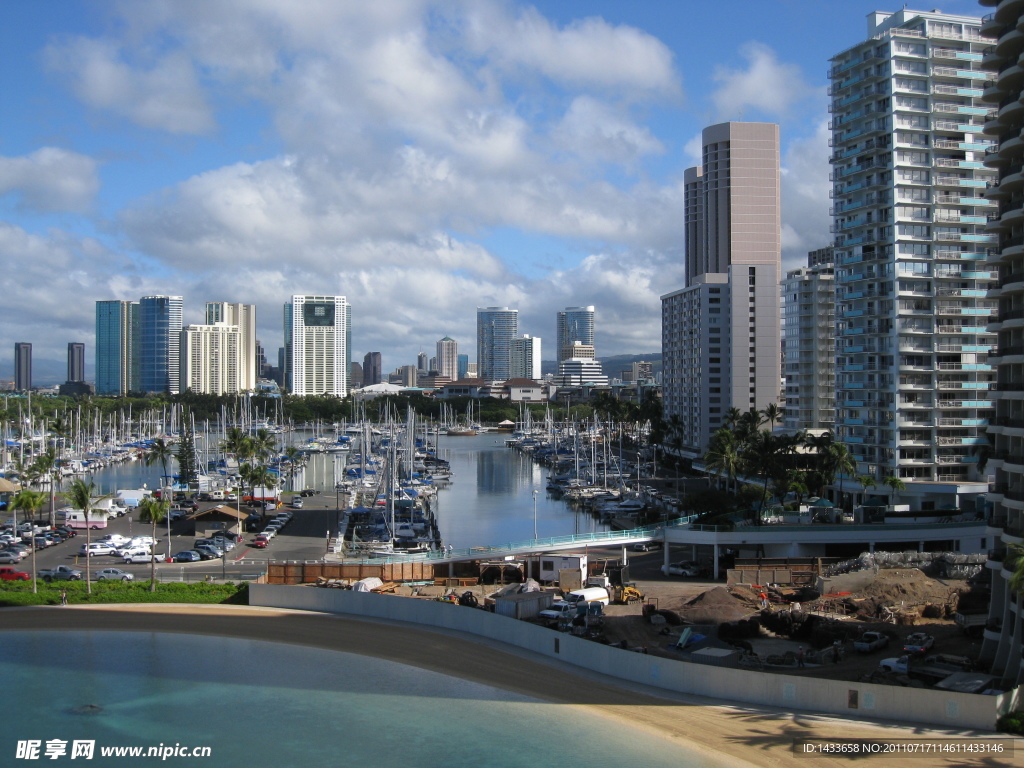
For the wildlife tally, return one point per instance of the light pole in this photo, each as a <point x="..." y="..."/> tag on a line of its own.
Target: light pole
<point x="535" y="515"/>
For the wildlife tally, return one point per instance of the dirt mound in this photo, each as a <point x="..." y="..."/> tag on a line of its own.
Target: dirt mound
<point x="909" y="587"/>
<point x="715" y="606"/>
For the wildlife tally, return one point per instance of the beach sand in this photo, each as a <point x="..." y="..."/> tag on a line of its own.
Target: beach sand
<point x="737" y="735"/>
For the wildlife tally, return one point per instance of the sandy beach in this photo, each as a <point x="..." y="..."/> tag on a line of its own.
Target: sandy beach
<point x="735" y="735"/>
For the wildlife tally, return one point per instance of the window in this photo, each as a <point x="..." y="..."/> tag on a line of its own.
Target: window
<point x="911" y="102"/>
<point x="915" y="194"/>
<point x="915" y="249"/>
<point x="913" y="175"/>
<point x="909" y="156"/>
<point x="913" y="230"/>
<point x="912" y="121"/>
<point x="910" y="84"/>
<point x="913" y="212"/>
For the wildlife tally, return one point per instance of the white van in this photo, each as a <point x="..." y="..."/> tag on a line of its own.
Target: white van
<point x="589" y="595"/>
<point x="96" y="548"/>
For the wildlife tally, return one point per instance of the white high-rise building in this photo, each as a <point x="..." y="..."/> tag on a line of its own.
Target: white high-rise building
<point x="448" y="358"/>
<point x="913" y="378"/>
<point x="244" y="317"/>
<point x="317" y="343"/>
<point x="721" y="338"/>
<point x="574" y="324"/>
<point x="808" y="296"/>
<point x="577" y="372"/>
<point x="210" y="359"/>
<point x="525" y="358"/>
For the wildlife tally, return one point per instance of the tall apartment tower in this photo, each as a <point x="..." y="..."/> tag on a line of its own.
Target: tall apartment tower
<point x="573" y="324"/>
<point x="463" y="367"/>
<point x="1001" y="644"/>
<point x="159" y="343"/>
<point x="913" y="378"/>
<point x="525" y="358"/>
<point x="316" y="335"/>
<point x="210" y="359"/>
<point x="76" y="362"/>
<point x="22" y="366"/>
<point x="371" y="369"/>
<point x="244" y="317"/>
<point x="448" y="358"/>
<point x="422" y="362"/>
<point x="495" y="329"/>
<point x="809" y="366"/>
<point x="721" y="336"/>
<point x="117" y="347"/>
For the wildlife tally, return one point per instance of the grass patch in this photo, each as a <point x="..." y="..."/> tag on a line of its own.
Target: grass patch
<point x="20" y="593"/>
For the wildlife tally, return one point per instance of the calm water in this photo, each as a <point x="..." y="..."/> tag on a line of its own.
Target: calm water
<point x="490" y="502"/>
<point x="264" y="704"/>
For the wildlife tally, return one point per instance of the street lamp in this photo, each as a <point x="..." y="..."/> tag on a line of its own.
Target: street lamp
<point x="535" y="515"/>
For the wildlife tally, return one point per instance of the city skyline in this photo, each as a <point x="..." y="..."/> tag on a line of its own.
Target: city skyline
<point x="201" y="154"/>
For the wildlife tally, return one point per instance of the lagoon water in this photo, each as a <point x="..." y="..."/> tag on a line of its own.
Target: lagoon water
<point x="490" y="502"/>
<point x="257" y="704"/>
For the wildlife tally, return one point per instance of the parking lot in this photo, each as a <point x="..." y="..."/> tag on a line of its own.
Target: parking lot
<point x="305" y="537"/>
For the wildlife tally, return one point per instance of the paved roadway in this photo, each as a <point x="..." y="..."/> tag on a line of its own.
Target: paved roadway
<point x="304" y="538"/>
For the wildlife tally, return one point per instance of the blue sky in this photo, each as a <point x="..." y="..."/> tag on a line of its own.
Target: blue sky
<point x="421" y="157"/>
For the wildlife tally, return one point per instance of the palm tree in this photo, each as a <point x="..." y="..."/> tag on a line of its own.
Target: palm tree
<point x="45" y="466"/>
<point x="153" y="511"/>
<point x="30" y="502"/>
<point x="292" y="455"/>
<point x="896" y="485"/>
<point x="723" y="456"/>
<point x="1015" y="561"/>
<point x="772" y="413"/>
<point x="866" y="481"/>
<point x="761" y="457"/>
<point x="160" y="451"/>
<point x="842" y="464"/>
<point x="80" y="495"/>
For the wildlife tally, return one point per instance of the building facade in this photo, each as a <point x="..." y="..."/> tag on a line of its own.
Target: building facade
<point x="159" y="343"/>
<point x="1001" y="644"/>
<point x="495" y="329"/>
<point x="573" y="324"/>
<point x="243" y="317"/>
<point x="809" y="316"/>
<point x="912" y="371"/>
<point x="371" y="369"/>
<point x="721" y="336"/>
<point x="578" y="372"/>
<point x="316" y="333"/>
<point x="76" y="362"/>
<point x="211" y="362"/>
<point x="525" y="358"/>
<point x="448" y="358"/>
<point x="117" y="347"/>
<point x="22" y="366"/>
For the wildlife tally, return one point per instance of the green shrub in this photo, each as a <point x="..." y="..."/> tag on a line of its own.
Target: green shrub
<point x="1011" y="723"/>
<point x="20" y="593"/>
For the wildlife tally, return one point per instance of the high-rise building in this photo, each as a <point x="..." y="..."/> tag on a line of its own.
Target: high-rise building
<point x="809" y="316"/>
<point x="721" y="335"/>
<point x="448" y="358"/>
<point x="525" y="358"/>
<point x="22" y="366"/>
<point x="495" y="329"/>
<point x="576" y="372"/>
<point x="371" y="369"/>
<point x="117" y="347"/>
<point x="159" y="343"/>
<point x="422" y="362"/>
<point x="261" y="359"/>
<point x="463" y="367"/>
<point x="1001" y="643"/>
<point x="243" y="316"/>
<point x="355" y="373"/>
<point x="316" y="334"/>
<point x="210" y="359"/>
<point x="574" y="324"/>
<point x="76" y="362"/>
<point x="913" y="378"/>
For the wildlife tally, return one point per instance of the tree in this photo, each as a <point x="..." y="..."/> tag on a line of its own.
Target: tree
<point x="30" y="502"/>
<point x="842" y="464"/>
<point x="866" y="481"/>
<point x="155" y="512"/>
<point x="160" y="451"/>
<point x="45" y="466"/>
<point x="723" y="456"/>
<point x="188" y="471"/>
<point x="896" y="485"/>
<point x="1015" y="562"/>
<point x="292" y="457"/>
<point x="80" y="496"/>
<point x="772" y="413"/>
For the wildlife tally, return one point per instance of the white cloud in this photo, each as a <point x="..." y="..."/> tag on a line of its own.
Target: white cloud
<point x="766" y="85"/>
<point x="50" y="179"/>
<point x="805" y="197"/>
<point x="596" y="131"/>
<point x="163" y="93"/>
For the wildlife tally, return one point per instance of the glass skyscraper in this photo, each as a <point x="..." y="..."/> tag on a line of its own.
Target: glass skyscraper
<point x="574" y="324"/>
<point x="159" y="343"/>
<point x="495" y="329"/>
<point x="117" y="353"/>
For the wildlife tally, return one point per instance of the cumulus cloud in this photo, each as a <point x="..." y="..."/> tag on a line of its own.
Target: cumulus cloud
<point x="805" y="197"/>
<point x="597" y="131"/>
<point x="163" y="93"/>
<point x="765" y="85"/>
<point x="50" y="179"/>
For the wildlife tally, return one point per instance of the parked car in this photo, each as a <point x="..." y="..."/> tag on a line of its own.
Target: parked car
<point x="10" y="574"/>
<point x="261" y="542"/>
<point x="9" y="557"/>
<point x="188" y="556"/>
<point x="71" y="532"/>
<point x="226" y="544"/>
<point x="682" y="568"/>
<point x="209" y="551"/>
<point x="918" y="644"/>
<point x="270" y="531"/>
<point x="114" y="574"/>
<point x="308" y="492"/>
<point x="297" y="502"/>
<point x="96" y="548"/>
<point x="647" y="546"/>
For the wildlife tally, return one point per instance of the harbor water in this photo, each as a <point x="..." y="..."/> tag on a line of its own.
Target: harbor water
<point x="491" y="500"/>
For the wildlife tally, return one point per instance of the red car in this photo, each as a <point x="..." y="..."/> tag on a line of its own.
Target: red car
<point x="9" y="574"/>
<point x="260" y="542"/>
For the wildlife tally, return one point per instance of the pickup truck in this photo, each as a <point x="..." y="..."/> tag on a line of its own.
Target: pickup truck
<point x="870" y="642"/>
<point x="10" y="574"/>
<point x="929" y="669"/>
<point x="918" y="644"/>
<point x="971" y="623"/>
<point x="60" y="573"/>
<point x="143" y="556"/>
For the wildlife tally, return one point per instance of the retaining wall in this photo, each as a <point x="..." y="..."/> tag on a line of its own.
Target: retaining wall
<point x="877" y="702"/>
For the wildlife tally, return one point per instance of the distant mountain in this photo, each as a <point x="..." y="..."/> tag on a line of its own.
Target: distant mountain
<point x="612" y="366"/>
